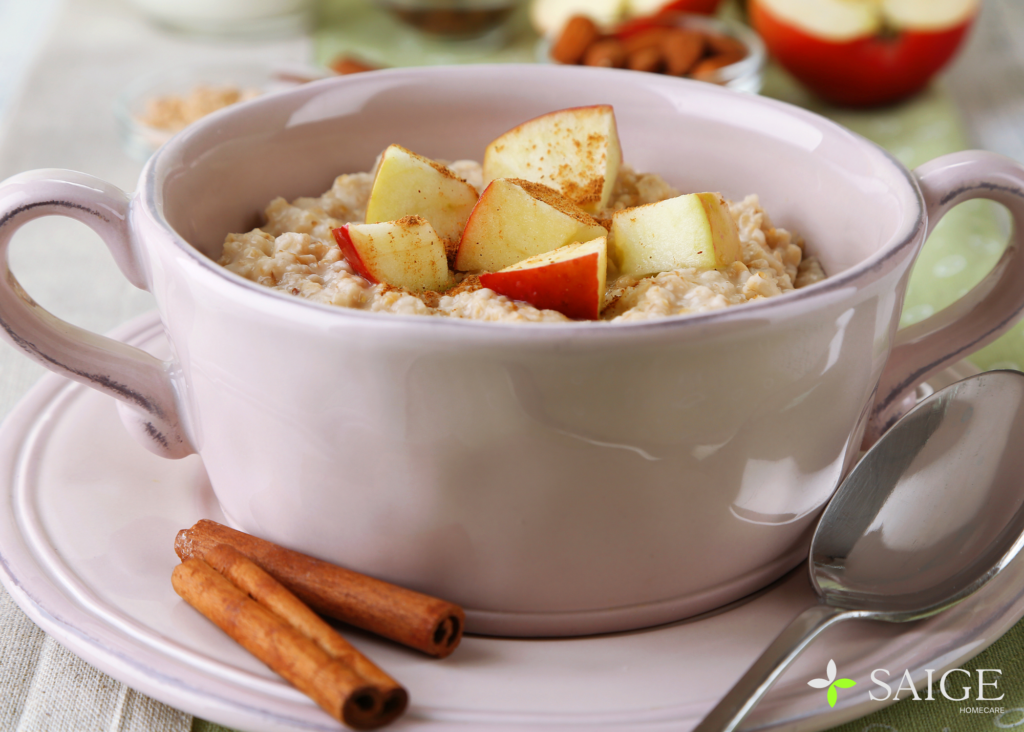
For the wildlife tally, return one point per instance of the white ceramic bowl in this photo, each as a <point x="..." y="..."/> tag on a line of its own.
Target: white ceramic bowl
<point x="554" y="479"/>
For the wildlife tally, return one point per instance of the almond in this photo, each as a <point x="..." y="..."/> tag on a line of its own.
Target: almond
<point x="645" y="59"/>
<point x="723" y="44"/>
<point x="350" y="65"/>
<point x="707" y="70"/>
<point x="645" y="39"/>
<point x="682" y="49"/>
<point x="607" y="52"/>
<point x="579" y="34"/>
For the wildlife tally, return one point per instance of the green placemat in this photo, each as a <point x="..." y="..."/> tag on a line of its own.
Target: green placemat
<point x="942" y="715"/>
<point x="967" y="242"/>
<point x="963" y="248"/>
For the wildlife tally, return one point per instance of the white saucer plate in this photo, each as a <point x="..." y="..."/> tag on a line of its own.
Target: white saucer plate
<point x="86" y="544"/>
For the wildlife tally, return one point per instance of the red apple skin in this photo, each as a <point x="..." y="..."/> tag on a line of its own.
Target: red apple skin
<point x="864" y="72"/>
<point x="705" y="7"/>
<point x="666" y="16"/>
<point x="570" y="286"/>
<point x="348" y="250"/>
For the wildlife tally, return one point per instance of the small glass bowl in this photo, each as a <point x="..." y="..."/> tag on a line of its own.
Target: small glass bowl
<point x="746" y="75"/>
<point x="140" y="139"/>
<point x="231" y="18"/>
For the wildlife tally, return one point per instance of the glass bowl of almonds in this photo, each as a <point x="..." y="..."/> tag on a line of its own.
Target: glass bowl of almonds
<point x="686" y="45"/>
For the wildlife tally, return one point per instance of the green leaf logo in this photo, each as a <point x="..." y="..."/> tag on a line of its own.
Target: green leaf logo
<point x="832" y="683"/>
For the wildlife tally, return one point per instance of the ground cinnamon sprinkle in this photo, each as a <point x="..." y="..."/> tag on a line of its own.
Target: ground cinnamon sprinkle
<point x="433" y="299"/>
<point x="556" y="200"/>
<point x="451" y="249"/>
<point x="429" y="298"/>
<point x="589" y="192"/>
<point x="469" y="284"/>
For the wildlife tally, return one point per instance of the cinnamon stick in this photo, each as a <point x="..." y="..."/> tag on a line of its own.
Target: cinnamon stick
<point x="271" y="594"/>
<point x="419" y="621"/>
<point x="341" y="692"/>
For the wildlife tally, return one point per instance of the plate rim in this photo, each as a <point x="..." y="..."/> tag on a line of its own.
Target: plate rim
<point x="205" y="693"/>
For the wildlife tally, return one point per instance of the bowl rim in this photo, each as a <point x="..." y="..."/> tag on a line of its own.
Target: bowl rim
<point x="785" y="305"/>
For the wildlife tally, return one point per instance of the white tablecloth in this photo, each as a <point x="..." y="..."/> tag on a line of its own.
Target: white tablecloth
<point x="60" y="117"/>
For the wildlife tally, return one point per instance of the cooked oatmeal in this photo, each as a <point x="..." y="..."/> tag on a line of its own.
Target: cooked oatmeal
<point x="295" y="252"/>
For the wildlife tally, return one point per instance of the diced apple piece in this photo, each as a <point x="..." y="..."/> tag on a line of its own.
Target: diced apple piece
<point x="405" y="253"/>
<point x="693" y="230"/>
<point x="408" y="184"/>
<point x="570" y="279"/>
<point x="515" y="219"/>
<point x="575" y="151"/>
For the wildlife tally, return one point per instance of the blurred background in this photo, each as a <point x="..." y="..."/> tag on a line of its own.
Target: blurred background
<point x="97" y="85"/>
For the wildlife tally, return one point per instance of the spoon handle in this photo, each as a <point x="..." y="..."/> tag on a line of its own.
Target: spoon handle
<point x="734" y="706"/>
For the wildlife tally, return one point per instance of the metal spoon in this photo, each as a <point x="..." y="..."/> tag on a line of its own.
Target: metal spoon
<point x="931" y="513"/>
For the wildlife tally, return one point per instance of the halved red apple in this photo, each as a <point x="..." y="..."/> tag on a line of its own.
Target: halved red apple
<point x="405" y="253"/>
<point x="515" y="219"/>
<point x="863" y="52"/>
<point x="570" y="279"/>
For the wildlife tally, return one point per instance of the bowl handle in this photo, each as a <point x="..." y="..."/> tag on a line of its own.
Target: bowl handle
<point x="140" y="381"/>
<point x="981" y="315"/>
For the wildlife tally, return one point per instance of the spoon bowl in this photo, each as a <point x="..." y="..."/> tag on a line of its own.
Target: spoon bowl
<point x="933" y="510"/>
<point x="931" y="513"/>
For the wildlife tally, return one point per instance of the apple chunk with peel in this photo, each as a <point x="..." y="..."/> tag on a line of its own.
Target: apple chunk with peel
<point x="570" y="279"/>
<point x="515" y="219"/>
<point x="405" y="253"/>
<point x="694" y="230"/>
<point x="408" y="184"/>
<point x="575" y="151"/>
